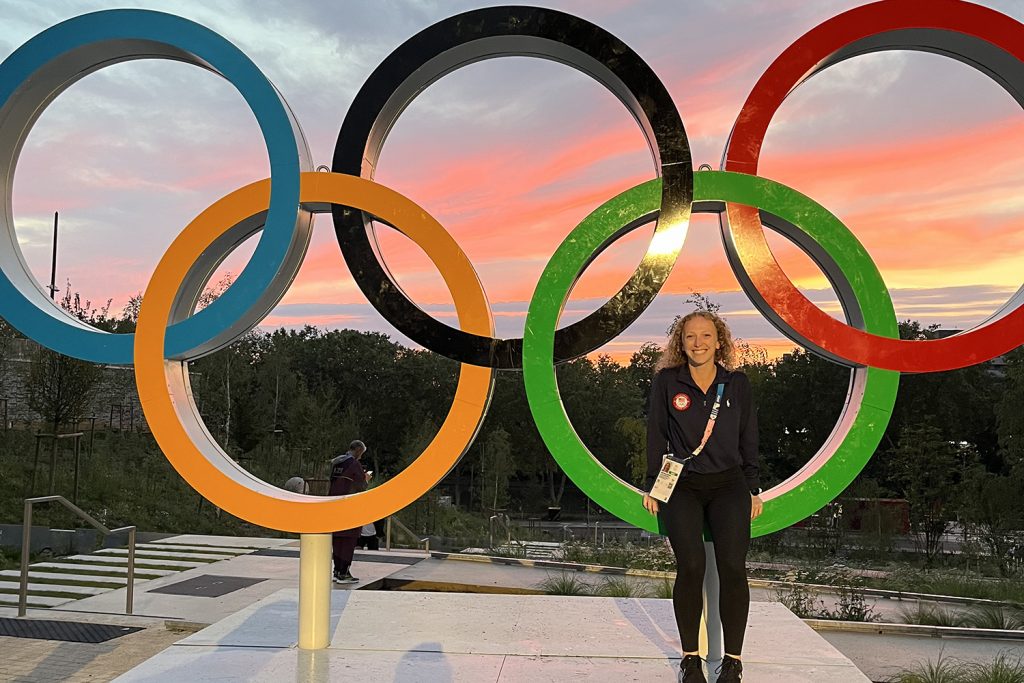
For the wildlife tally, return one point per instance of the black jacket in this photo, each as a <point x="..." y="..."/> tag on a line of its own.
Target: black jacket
<point x="678" y="415"/>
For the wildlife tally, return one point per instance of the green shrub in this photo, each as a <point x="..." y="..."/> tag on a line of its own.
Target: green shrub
<point x="657" y="557"/>
<point x="664" y="589"/>
<point x="937" y="582"/>
<point x="565" y="584"/>
<point x="1002" y="669"/>
<point x="993" y="616"/>
<point x="930" y="614"/>
<point x="941" y="671"/>
<point x="799" y="600"/>
<point x="852" y="606"/>
<point x="615" y="587"/>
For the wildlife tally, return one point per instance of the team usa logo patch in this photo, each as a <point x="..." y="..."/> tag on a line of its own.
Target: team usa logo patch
<point x="681" y="402"/>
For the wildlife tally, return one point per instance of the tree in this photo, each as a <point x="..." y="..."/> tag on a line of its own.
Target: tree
<point x="927" y="468"/>
<point x="991" y="504"/>
<point x="799" y="399"/>
<point x="1010" y="412"/>
<point x="634" y="432"/>
<point x="7" y="337"/>
<point x="641" y="369"/>
<point x="59" y="388"/>
<point x="496" y="468"/>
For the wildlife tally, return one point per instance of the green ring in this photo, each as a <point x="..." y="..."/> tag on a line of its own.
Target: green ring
<point x="601" y="226"/>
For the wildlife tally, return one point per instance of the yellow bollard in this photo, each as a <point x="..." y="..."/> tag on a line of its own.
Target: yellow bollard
<point x="314" y="591"/>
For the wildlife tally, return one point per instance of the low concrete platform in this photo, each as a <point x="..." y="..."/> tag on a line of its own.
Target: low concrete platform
<point x="411" y="636"/>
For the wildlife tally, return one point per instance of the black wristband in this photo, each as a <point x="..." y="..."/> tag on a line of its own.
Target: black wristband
<point x="756" y="491"/>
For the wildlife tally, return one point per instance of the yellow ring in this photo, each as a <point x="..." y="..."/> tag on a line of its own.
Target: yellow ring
<point x="174" y="419"/>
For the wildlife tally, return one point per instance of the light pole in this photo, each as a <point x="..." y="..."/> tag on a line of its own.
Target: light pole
<point x="53" y="262"/>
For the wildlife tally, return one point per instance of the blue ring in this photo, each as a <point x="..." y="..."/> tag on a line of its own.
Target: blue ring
<point x="202" y="47"/>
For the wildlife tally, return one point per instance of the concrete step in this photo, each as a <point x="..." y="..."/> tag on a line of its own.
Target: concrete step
<point x="242" y="543"/>
<point x="116" y="561"/>
<point x="156" y="554"/>
<point x="110" y="582"/>
<point x="84" y="569"/>
<point x="33" y="600"/>
<point x="45" y="588"/>
<point x="211" y="549"/>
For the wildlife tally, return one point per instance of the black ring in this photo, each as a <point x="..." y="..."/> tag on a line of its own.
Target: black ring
<point x="498" y="32"/>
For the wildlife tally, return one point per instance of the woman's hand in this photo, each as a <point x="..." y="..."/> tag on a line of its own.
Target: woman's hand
<point x="650" y="504"/>
<point x="756" y="506"/>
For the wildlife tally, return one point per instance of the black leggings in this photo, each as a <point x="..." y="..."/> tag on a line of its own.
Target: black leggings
<point x="722" y="500"/>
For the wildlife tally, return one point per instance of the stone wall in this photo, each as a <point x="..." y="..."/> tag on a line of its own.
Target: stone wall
<point x="115" y="405"/>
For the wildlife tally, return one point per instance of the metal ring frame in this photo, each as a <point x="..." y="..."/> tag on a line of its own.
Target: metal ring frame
<point x="52" y="61"/>
<point x="501" y="32"/>
<point x="982" y="38"/>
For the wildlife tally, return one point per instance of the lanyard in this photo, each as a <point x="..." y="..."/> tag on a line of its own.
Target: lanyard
<point x="711" y="423"/>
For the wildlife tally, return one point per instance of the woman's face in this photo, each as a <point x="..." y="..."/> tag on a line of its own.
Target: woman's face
<point x="700" y="341"/>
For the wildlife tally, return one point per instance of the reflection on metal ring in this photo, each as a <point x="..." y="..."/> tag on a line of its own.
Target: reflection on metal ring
<point x="991" y="42"/>
<point x="871" y="395"/>
<point x="508" y="31"/>
<point x="52" y="61"/>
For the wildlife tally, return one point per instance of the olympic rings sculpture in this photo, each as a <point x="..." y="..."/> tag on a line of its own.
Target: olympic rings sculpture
<point x="170" y="332"/>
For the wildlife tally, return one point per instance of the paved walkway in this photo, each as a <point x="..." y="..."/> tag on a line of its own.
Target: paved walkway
<point x="274" y="562"/>
<point x="46" y="661"/>
<point x="412" y="637"/>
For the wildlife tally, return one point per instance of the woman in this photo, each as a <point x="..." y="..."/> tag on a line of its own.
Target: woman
<point x="719" y="486"/>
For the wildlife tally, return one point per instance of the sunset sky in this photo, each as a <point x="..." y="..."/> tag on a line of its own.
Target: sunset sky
<point x="921" y="156"/>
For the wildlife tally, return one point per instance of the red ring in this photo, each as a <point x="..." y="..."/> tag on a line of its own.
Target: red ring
<point x="797" y="63"/>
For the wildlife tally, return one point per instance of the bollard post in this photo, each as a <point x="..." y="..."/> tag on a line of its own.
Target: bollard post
<point x="711" y="624"/>
<point x="314" y="591"/>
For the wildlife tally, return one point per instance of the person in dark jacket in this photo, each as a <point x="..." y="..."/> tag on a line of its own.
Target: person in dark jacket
<point x="347" y="476"/>
<point x="719" y="486"/>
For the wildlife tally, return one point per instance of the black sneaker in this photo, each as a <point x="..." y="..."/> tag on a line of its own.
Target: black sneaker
<point x="344" y="577"/>
<point x="730" y="670"/>
<point x="690" y="670"/>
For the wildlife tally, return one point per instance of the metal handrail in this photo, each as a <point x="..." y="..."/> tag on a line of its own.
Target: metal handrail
<point x="26" y="546"/>
<point x="410" y="534"/>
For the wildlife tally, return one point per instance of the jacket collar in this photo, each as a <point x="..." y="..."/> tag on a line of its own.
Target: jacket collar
<point x="722" y="376"/>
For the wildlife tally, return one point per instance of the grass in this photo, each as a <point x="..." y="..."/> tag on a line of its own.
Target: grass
<point x="623" y="588"/>
<point x="980" y="616"/>
<point x="799" y="600"/>
<point x="9" y="559"/>
<point x="994" y="616"/>
<point x="68" y="582"/>
<point x="226" y="555"/>
<point x="98" y="572"/>
<point x="931" y="614"/>
<point x="121" y="483"/>
<point x="101" y="565"/>
<point x="45" y="593"/>
<point x="952" y="583"/>
<point x="664" y="589"/>
<point x="1002" y="669"/>
<point x="940" y="671"/>
<point x="143" y="556"/>
<point x="565" y="584"/>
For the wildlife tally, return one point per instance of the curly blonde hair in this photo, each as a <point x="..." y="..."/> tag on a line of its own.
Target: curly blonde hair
<point x="673" y="355"/>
